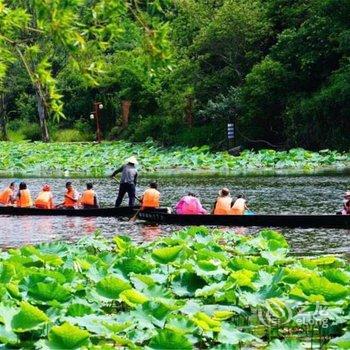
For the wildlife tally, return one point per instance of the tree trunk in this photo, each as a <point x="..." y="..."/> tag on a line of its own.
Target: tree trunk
<point x="126" y="104"/>
<point x="42" y="113"/>
<point x="189" y="111"/>
<point x="3" y="130"/>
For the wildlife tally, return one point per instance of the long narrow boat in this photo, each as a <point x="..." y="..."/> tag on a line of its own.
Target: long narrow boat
<point x="292" y="221"/>
<point x="104" y="212"/>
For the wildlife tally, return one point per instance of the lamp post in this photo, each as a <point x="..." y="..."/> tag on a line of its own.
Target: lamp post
<point x="98" y="106"/>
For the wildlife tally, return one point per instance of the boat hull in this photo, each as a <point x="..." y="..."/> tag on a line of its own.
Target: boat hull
<point x="292" y="221"/>
<point x="97" y="212"/>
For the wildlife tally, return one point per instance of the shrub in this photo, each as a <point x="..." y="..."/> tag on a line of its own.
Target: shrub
<point x="19" y="130"/>
<point x="71" y="135"/>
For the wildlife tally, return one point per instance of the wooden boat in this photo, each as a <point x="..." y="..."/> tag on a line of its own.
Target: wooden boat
<point x="103" y="212"/>
<point x="292" y="221"/>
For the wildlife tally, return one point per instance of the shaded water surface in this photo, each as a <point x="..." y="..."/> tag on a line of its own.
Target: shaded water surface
<point x="266" y="195"/>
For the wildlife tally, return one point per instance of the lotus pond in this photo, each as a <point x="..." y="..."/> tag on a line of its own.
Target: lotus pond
<point x="97" y="160"/>
<point x="198" y="289"/>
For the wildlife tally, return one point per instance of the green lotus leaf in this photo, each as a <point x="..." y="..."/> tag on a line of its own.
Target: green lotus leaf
<point x="167" y="339"/>
<point x="28" y="318"/>
<point x="7" y="336"/>
<point x="49" y="291"/>
<point x="79" y="310"/>
<point x="320" y="261"/>
<point x="135" y="265"/>
<point x="7" y="271"/>
<point x="239" y="263"/>
<point x="110" y="287"/>
<point x="167" y="254"/>
<point x="13" y="290"/>
<point x="206" y="322"/>
<point x="186" y="284"/>
<point x="342" y="342"/>
<point x="321" y="286"/>
<point x="132" y="297"/>
<point x="122" y="243"/>
<point x="243" y="278"/>
<point x="67" y="337"/>
<point x="222" y="315"/>
<point x="285" y="345"/>
<point x="209" y="290"/>
<point x="229" y="334"/>
<point x="141" y="282"/>
<point x="180" y="325"/>
<point x="337" y="276"/>
<point x="275" y="240"/>
<point x="293" y="275"/>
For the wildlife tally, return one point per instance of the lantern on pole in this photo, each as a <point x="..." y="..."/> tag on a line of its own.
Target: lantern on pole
<point x="95" y="114"/>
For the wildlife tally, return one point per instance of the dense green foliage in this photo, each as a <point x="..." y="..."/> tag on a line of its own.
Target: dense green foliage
<point x="197" y="289"/>
<point x="279" y="68"/>
<point x="86" y="159"/>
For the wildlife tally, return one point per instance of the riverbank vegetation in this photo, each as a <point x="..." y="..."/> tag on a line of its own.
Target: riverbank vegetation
<point x="198" y="289"/>
<point x="178" y="71"/>
<point x="86" y="159"/>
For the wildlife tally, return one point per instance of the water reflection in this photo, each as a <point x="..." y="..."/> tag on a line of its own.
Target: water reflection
<point x="277" y="194"/>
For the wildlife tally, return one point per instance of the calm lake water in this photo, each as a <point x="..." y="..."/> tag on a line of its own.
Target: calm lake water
<point x="266" y="195"/>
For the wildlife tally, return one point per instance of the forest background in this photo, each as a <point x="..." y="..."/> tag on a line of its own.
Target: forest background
<point x="177" y="71"/>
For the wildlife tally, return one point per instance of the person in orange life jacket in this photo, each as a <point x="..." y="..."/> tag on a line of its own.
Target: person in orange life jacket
<point x="239" y="206"/>
<point x="7" y="196"/>
<point x="23" y="198"/>
<point x="190" y="204"/>
<point x="150" y="198"/>
<point x="127" y="182"/>
<point x="45" y="198"/>
<point x="71" y="196"/>
<point x="223" y="203"/>
<point x="89" y="198"/>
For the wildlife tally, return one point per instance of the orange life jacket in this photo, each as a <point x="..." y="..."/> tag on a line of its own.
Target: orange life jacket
<point x="24" y="200"/>
<point x="238" y="207"/>
<point x="88" y="197"/>
<point x="150" y="198"/>
<point x="44" y="200"/>
<point x="68" y="202"/>
<point x="223" y="206"/>
<point x="5" y="196"/>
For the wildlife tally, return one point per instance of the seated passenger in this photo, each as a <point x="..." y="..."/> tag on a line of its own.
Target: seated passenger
<point x="23" y="198"/>
<point x="346" y="204"/>
<point x="45" y="198"/>
<point x="150" y="198"/>
<point x="190" y="205"/>
<point x="223" y="203"/>
<point x="71" y="196"/>
<point x="239" y="206"/>
<point x="7" y="196"/>
<point x="89" y="197"/>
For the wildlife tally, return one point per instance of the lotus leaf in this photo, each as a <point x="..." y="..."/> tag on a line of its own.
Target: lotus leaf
<point x="67" y="336"/>
<point x="229" y="334"/>
<point x="167" y="339"/>
<point x="132" y="297"/>
<point x="110" y="287"/>
<point x="28" y="318"/>
<point x="321" y="286"/>
<point x="167" y="254"/>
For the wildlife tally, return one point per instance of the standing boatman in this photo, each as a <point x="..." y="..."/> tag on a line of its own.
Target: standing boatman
<point x="127" y="182"/>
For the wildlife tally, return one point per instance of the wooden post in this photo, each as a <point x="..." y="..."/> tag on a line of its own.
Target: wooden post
<point x="126" y="104"/>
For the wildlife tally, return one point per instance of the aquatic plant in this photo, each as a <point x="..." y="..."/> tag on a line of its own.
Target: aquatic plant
<point x="197" y="289"/>
<point x="58" y="159"/>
